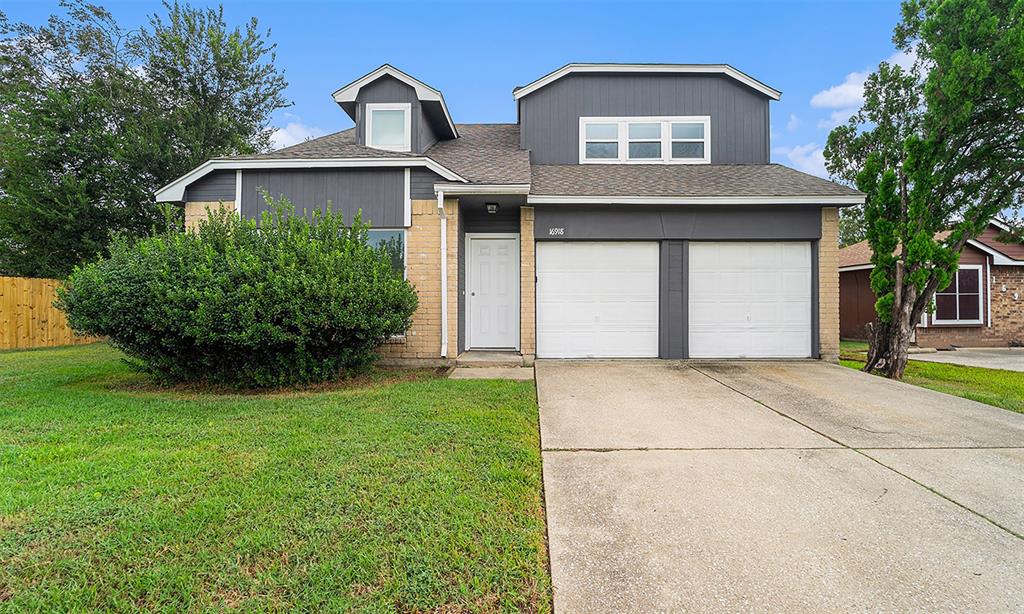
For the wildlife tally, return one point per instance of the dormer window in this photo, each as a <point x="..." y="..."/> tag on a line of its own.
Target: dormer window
<point x="645" y="140"/>
<point x="389" y="126"/>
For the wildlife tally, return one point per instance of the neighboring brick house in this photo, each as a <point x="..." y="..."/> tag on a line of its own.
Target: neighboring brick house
<point x="982" y="307"/>
<point x="632" y="211"/>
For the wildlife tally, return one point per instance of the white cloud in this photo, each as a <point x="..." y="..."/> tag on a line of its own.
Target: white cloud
<point x="849" y="93"/>
<point x="793" y="123"/>
<point x="836" y="117"/>
<point x="809" y="158"/>
<point x="292" y="134"/>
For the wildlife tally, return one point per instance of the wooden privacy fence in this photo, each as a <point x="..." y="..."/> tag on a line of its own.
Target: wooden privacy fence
<point x="28" y="318"/>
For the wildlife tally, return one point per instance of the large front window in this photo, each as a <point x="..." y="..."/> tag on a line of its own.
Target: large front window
<point x="389" y="126"/>
<point x="645" y="140"/>
<point x="393" y="243"/>
<point x="960" y="301"/>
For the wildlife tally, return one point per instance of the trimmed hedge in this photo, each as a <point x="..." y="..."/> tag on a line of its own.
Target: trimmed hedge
<point x="284" y="301"/>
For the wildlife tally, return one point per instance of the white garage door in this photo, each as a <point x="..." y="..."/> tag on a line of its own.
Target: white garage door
<point x="597" y="300"/>
<point x="750" y="300"/>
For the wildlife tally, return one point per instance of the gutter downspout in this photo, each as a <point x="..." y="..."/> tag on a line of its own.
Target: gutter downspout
<point x="444" y="274"/>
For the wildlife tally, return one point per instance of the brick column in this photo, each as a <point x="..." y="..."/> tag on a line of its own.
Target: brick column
<point x="423" y="270"/>
<point x="828" y="285"/>
<point x="527" y="287"/>
<point x="198" y="211"/>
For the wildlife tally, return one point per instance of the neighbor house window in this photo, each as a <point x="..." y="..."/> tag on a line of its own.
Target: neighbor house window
<point x="960" y="301"/>
<point x="389" y="126"/>
<point x="645" y="140"/>
<point x="393" y="243"/>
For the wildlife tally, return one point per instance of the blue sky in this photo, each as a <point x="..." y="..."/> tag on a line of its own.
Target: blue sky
<point x="817" y="53"/>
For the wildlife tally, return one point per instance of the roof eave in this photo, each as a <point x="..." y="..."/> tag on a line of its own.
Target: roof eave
<point x="724" y="69"/>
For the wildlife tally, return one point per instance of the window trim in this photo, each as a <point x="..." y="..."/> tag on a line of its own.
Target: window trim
<point x="405" y="107"/>
<point x="981" y="296"/>
<point x="666" y="139"/>
<point x="405" y="246"/>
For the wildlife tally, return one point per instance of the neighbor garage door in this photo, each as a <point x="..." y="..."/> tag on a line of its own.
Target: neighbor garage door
<point x="750" y="300"/>
<point x="597" y="300"/>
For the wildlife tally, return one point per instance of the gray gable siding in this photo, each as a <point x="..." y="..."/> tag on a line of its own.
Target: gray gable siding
<point x="549" y="117"/>
<point x="213" y="187"/>
<point x="421" y="183"/>
<point x="388" y="89"/>
<point x="378" y="192"/>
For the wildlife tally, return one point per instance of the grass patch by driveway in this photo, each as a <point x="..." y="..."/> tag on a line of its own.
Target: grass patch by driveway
<point x="409" y="495"/>
<point x="992" y="386"/>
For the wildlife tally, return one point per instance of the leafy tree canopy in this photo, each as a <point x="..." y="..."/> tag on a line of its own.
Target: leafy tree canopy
<point x="94" y="118"/>
<point x="939" y="150"/>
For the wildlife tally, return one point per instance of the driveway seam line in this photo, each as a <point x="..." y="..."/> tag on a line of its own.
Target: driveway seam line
<point x="865" y="455"/>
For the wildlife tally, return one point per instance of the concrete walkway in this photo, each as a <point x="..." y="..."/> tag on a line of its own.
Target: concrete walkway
<point x="794" y="486"/>
<point x="1011" y="359"/>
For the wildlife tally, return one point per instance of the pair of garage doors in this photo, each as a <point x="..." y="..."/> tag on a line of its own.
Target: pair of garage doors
<point x="745" y="299"/>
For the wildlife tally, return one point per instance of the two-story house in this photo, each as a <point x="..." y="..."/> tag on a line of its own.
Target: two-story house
<point x="632" y="211"/>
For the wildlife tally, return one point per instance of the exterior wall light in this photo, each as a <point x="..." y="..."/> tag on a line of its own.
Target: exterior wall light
<point x="491" y="207"/>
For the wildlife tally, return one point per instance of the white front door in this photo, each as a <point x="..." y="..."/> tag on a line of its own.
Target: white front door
<point x="597" y="299"/>
<point x="492" y="301"/>
<point x="750" y="299"/>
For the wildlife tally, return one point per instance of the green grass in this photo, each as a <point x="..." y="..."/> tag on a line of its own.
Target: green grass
<point x="395" y="493"/>
<point x="992" y="386"/>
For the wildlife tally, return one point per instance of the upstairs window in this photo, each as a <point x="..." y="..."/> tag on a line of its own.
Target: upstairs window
<point x="601" y="141"/>
<point x="645" y="140"/>
<point x="389" y="126"/>
<point x="960" y="301"/>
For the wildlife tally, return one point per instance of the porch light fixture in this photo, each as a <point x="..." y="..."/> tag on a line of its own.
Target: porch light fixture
<point x="491" y="207"/>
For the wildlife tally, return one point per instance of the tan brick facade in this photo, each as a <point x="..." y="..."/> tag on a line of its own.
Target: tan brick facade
<point x="1007" y="317"/>
<point x="527" y="287"/>
<point x="198" y="211"/>
<point x="828" y="285"/>
<point x="422" y="341"/>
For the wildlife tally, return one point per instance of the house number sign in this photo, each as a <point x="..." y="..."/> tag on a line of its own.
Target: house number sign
<point x="554" y="232"/>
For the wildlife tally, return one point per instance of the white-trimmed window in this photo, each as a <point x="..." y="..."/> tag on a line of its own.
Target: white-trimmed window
<point x="645" y="140"/>
<point x="960" y="302"/>
<point x="389" y="126"/>
<point x="393" y="242"/>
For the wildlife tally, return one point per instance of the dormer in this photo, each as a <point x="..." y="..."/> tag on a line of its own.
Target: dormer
<point x="396" y="112"/>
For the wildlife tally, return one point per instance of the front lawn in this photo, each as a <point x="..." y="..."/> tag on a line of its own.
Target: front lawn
<point x="404" y="492"/>
<point x="992" y="386"/>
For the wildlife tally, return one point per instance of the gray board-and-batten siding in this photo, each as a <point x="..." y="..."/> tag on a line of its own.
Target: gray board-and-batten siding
<point x="549" y="117"/>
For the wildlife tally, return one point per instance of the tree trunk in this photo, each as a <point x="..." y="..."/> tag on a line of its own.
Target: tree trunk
<point x="890" y="342"/>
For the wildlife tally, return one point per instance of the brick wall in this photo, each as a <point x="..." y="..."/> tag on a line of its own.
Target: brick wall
<point x="197" y="211"/>
<point x="527" y="287"/>
<point x="422" y="341"/>
<point x="1007" y="317"/>
<point x="828" y="285"/>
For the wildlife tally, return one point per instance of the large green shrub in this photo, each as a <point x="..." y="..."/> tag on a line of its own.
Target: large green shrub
<point x="284" y="301"/>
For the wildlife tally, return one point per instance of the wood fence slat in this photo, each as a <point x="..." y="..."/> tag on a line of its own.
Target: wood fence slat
<point x="28" y="318"/>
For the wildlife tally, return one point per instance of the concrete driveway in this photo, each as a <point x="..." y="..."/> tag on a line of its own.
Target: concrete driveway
<point x="792" y="486"/>
<point x="1011" y="359"/>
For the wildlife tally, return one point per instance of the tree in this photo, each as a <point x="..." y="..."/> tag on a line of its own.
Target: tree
<point x="94" y="118"/>
<point x="852" y="227"/>
<point x="939" y="150"/>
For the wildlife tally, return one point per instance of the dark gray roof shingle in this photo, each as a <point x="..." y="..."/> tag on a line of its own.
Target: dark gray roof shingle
<point x="337" y="145"/>
<point x="484" y="153"/>
<point x="490" y="153"/>
<point x="680" y="180"/>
